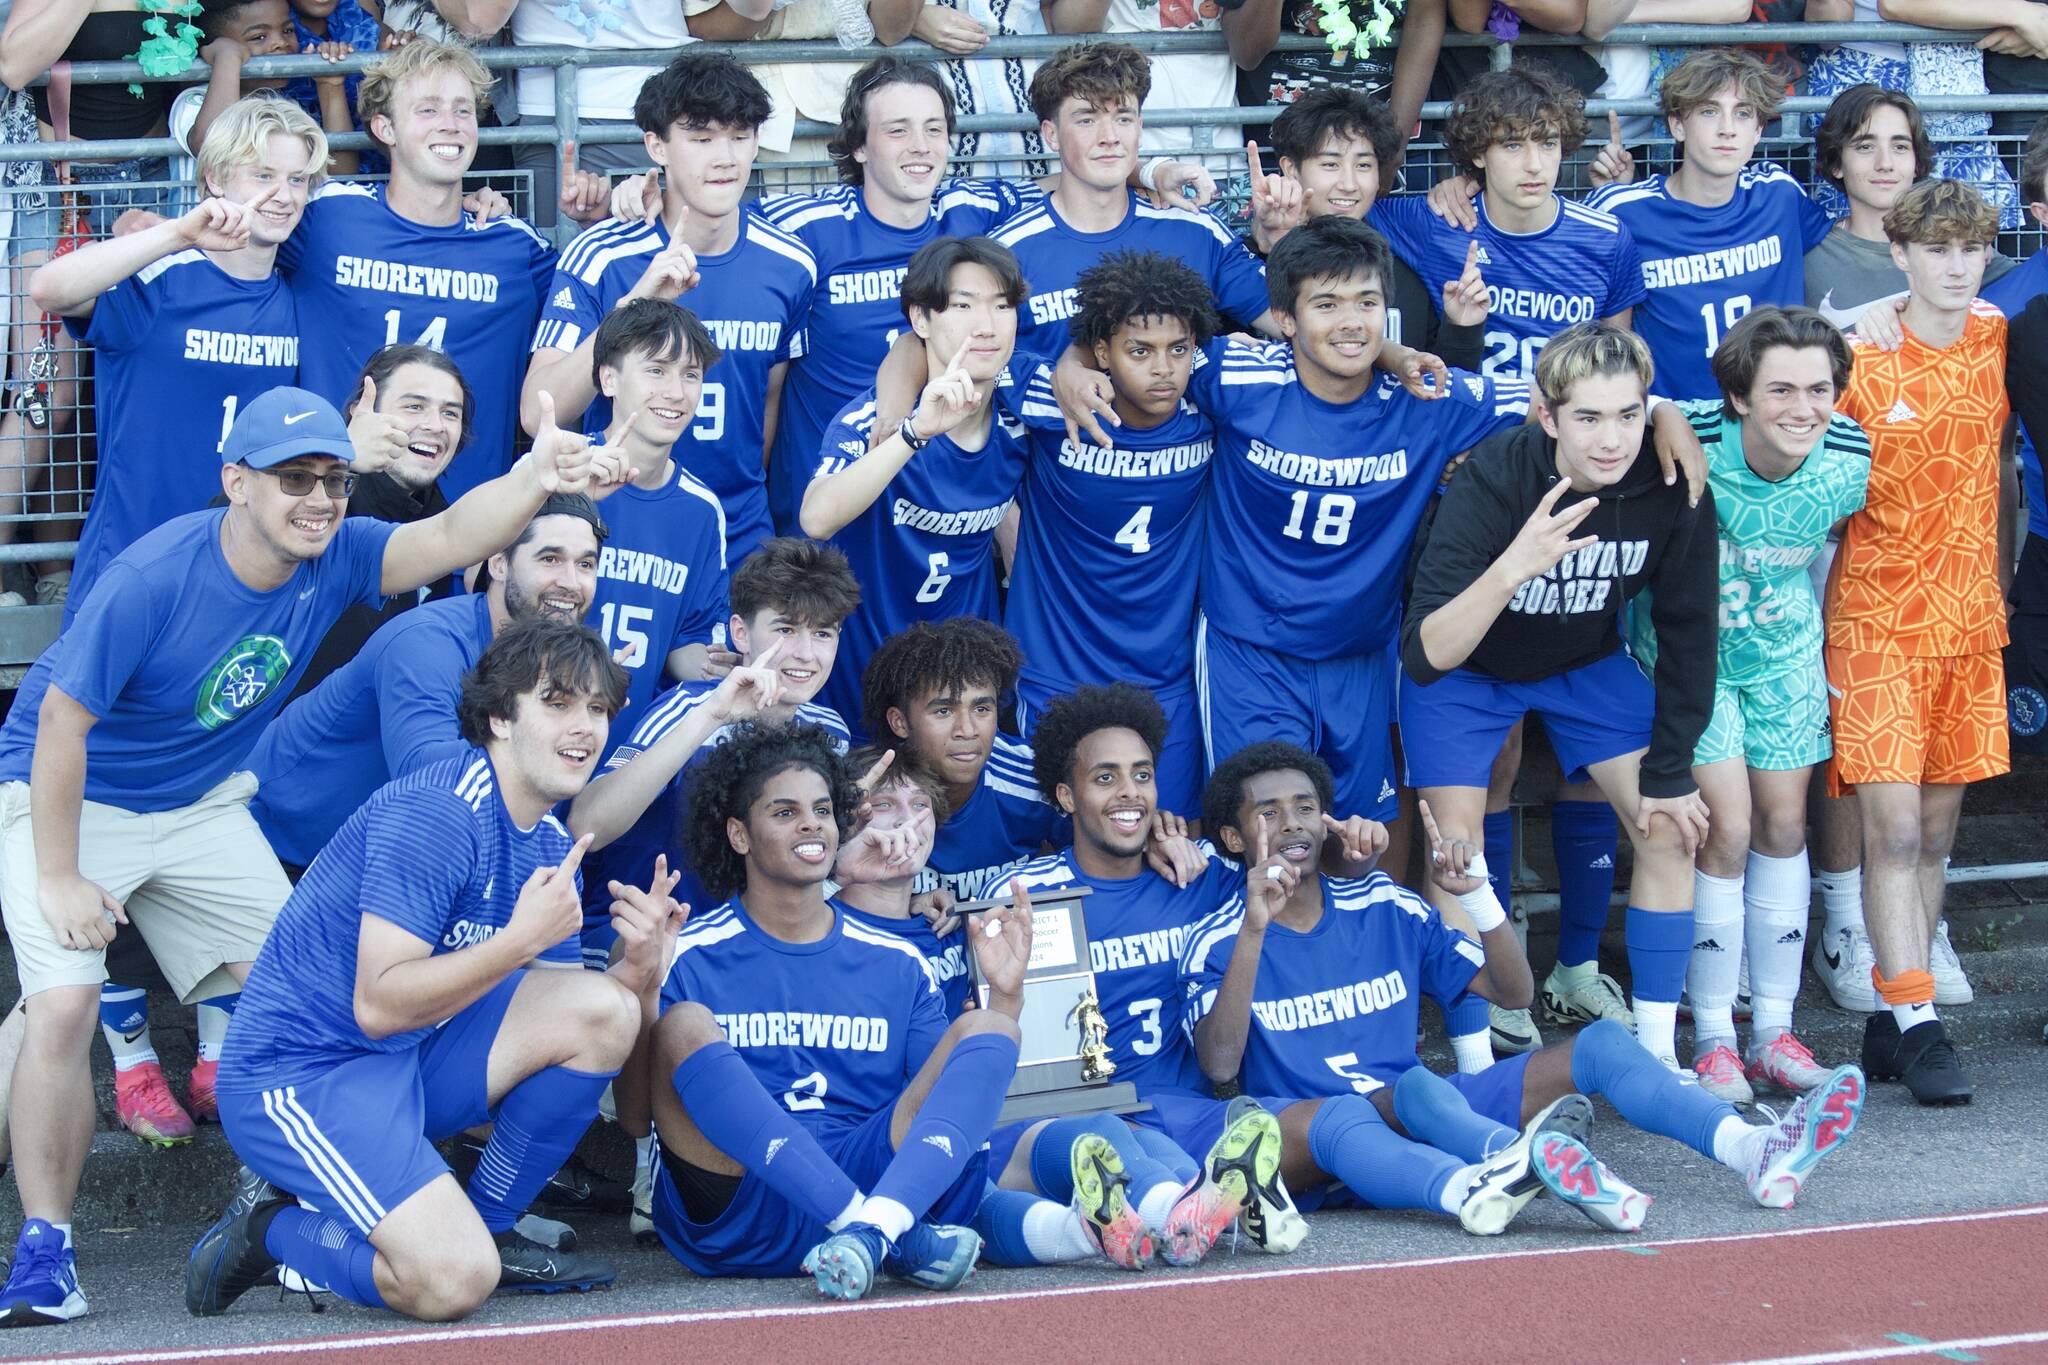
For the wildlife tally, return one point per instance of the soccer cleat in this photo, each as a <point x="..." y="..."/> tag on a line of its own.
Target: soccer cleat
<point x="1513" y="1030"/>
<point x="936" y="1256"/>
<point x="42" y="1284"/>
<point x="229" y="1259"/>
<point x="199" y="1096"/>
<point x="1502" y="1186"/>
<point x="1269" y="1218"/>
<point x="1930" y="1068"/>
<point x="1881" y="1047"/>
<point x="1782" y="1154"/>
<point x="1785" y="1063"/>
<point x="547" y="1232"/>
<point x="843" y="1265"/>
<point x="527" y="1267"/>
<point x="1842" y="960"/>
<point x="143" y="1100"/>
<point x="1951" y="986"/>
<point x="1219" y="1194"/>
<point x="1100" y="1190"/>
<point x="576" y="1188"/>
<point x="1582" y="1180"/>
<point x="1720" y="1075"/>
<point x="1570" y="1114"/>
<point x="641" y="1220"/>
<point x="1600" y="998"/>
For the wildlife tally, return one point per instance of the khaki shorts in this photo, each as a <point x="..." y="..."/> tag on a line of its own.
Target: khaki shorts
<point x="200" y="885"/>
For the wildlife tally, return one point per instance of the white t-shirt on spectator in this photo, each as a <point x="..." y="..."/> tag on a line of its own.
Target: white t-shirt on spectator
<point x="602" y="92"/>
<point x="1205" y="80"/>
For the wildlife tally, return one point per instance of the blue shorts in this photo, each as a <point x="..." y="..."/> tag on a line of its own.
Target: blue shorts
<point x="1177" y="768"/>
<point x="760" y="1234"/>
<point x="1454" y="727"/>
<point x="1341" y="710"/>
<point x="356" y="1139"/>
<point x="1496" y="1093"/>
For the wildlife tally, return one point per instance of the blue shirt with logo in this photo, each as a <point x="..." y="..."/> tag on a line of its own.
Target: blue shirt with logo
<point x="1002" y="824"/>
<point x="947" y="955"/>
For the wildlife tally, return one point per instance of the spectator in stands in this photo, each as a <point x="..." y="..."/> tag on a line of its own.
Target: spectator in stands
<point x="1187" y="80"/>
<point x="1397" y="72"/>
<point x="2014" y="51"/>
<point x="1632" y="69"/>
<point x="237" y="30"/>
<point x="1457" y="67"/>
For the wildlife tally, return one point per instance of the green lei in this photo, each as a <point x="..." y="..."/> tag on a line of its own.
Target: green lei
<point x="170" y="47"/>
<point x="1344" y="32"/>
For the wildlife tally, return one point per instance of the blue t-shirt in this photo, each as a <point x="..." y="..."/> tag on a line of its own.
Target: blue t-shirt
<point x="1053" y="255"/>
<point x="1580" y="268"/>
<point x="1334" y="1010"/>
<point x="857" y="310"/>
<point x="925" y="549"/>
<point x="435" y="853"/>
<point x="1137" y="930"/>
<point x="2012" y="292"/>
<point x="1108" y="549"/>
<point x="661" y="580"/>
<point x="835" y="1029"/>
<point x="947" y="955"/>
<point x="1315" y="505"/>
<point x="367" y="278"/>
<point x="183" y="663"/>
<point x="1005" y="822"/>
<point x="181" y="336"/>
<point x="1705" y="268"/>
<point x="753" y="298"/>
<point x="385" y="713"/>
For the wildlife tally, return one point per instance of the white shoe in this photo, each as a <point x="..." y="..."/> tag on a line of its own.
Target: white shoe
<point x="1951" y="987"/>
<point x="1514" y="1031"/>
<point x="1843" y="961"/>
<point x="1597" y="999"/>
<point x="641" y="1220"/>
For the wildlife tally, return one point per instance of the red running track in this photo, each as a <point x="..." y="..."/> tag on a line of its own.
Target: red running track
<point x="1965" y="1287"/>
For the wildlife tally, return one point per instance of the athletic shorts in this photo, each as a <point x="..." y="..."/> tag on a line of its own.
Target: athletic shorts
<point x="1773" y="724"/>
<point x="356" y="1139"/>
<point x="1905" y="718"/>
<point x="1340" y="710"/>
<point x="761" y="1234"/>
<point x="199" y="882"/>
<point x="1453" y="728"/>
<point x="1177" y="768"/>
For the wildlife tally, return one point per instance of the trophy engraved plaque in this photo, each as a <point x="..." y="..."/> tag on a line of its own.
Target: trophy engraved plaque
<point x="1063" y="1063"/>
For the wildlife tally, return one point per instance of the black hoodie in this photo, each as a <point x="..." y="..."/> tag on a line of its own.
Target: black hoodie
<point x="1570" y="617"/>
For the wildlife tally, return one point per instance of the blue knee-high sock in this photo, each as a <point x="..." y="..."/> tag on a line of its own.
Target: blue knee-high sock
<point x="1350" y="1141"/>
<point x="1000" y="1221"/>
<point x="1436" y="1112"/>
<point x="1164" y="1150"/>
<point x="739" y="1118"/>
<point x="953" y="1122"/>
<point x="536" y="1126"/>
<point x="1607" y="1061"/>
<point x="1582" y="835"/>
<point x="1659" y="950"/>
<point x="1465" y="1018"/>
<point x="123" y="1009"/>
<point x="326" y="1251"/>
<point x="1052" y="1172"/>
<point x="1498" y="838"/>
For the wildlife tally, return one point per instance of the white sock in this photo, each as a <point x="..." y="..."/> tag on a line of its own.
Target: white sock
<point x="643" y="1154"/>
<point x="889" y="1216"/>
<point x="64" y="1228"/>
<point x="854" y="1212"/>
<point x="213" y="1030"/>
<point x="1909" y="1015"/>
<point x="1716" y="964"/>
<point x="1474" y="1052"/>
<point x="1657" y="1026"/>
<point x="1777" y="897"/>
<point x="1054" y="1235"/>
<point x="1733" y="1139"/>
<point x="1158" y="1202"/>
<point x="1841" y="901"/>
<point x="1456" y="1189"/>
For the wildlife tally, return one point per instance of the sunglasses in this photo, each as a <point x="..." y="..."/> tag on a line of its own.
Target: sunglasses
<point x="299" y="482"/>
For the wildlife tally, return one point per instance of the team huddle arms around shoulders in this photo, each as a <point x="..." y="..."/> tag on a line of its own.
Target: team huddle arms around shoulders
<point x="888" y="557"/>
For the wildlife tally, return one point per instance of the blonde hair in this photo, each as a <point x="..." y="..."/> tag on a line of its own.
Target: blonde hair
<point x="1588" y="351"/>
<point x="1941" y="211"/>
<point x="417" y="58"/>
<point x="241" y="137"/>
<point x="1696" y="80"/>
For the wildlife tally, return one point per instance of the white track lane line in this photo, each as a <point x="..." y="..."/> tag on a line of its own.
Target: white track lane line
<point x="1910" y="1351"/>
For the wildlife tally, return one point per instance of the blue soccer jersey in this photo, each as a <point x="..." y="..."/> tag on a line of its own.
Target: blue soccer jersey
<point x="183" y="663"/>
<point x="947" y="955"/>
<point x="1137" y="931"/>
<point x="1003" y="823"/>
<point x="183" y="336"/>
<point x="2012" y="292"/>
<point x="1334" y="1010"/>
<point x="437" y="855"/>
<point x="1706" y="267"/>
<point x="368" y="278"/>
<point x="834" y="1029"/>
<point x="1108" y="549"/>
<point x="661" y="580"/>
<point x="925" y="549"/>
<point x="753" y="298"/>
<point x="1053" y="255"/>
<point x="1316" y="504"/>
<point x="1582" y="267"/>
<point x="387" y="712"/>
<point x="857" y="310"/>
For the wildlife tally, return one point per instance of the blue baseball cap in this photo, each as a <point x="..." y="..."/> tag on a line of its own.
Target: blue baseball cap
<point x="283" y="425"/>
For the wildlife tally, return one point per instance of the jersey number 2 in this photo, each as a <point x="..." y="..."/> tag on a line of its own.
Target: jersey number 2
<point x="806" y="1092"/>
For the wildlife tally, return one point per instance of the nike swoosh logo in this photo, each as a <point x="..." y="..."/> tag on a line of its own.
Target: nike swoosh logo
<point x="1834" y="959"/>
<point x="296" y="417"/>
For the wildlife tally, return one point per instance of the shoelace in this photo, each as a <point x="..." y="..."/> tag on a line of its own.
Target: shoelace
<point x="154" y="1090"/>
<point x="44" y="1260"/>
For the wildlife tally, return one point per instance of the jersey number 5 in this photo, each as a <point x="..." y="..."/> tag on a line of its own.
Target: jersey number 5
<point x="1345" y="1064"/>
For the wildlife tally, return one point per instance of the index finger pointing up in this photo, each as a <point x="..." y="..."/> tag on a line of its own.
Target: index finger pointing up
<point x="1614" y="127"/>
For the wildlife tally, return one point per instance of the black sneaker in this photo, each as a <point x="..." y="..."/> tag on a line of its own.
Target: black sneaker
<point x="1932" y="1071"/>
<point x="527" y="1267"/>
<point x="578" y="1189"/>
<point x="1881" y="1047"/>
<point x="230" y="1259"/>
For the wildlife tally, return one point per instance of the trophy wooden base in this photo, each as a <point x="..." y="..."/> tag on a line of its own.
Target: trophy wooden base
<point x="1110" y="1097"/>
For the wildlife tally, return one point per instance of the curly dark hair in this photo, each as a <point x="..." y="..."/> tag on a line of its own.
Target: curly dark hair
<point x="808" y="581"/>
<point x="1070" y="719"/>
<point x="1336" y="111"/>
<point x="565" y="655"/>
<point x="1102" y="73"/>
<point x="1225" y="792"/>
<point x="1142" y="284"/>
<point x="729" y="779"/>
<point x="951" y="654"/>
<point x="1529" y="101"/>
<point x="701" y="89"/>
